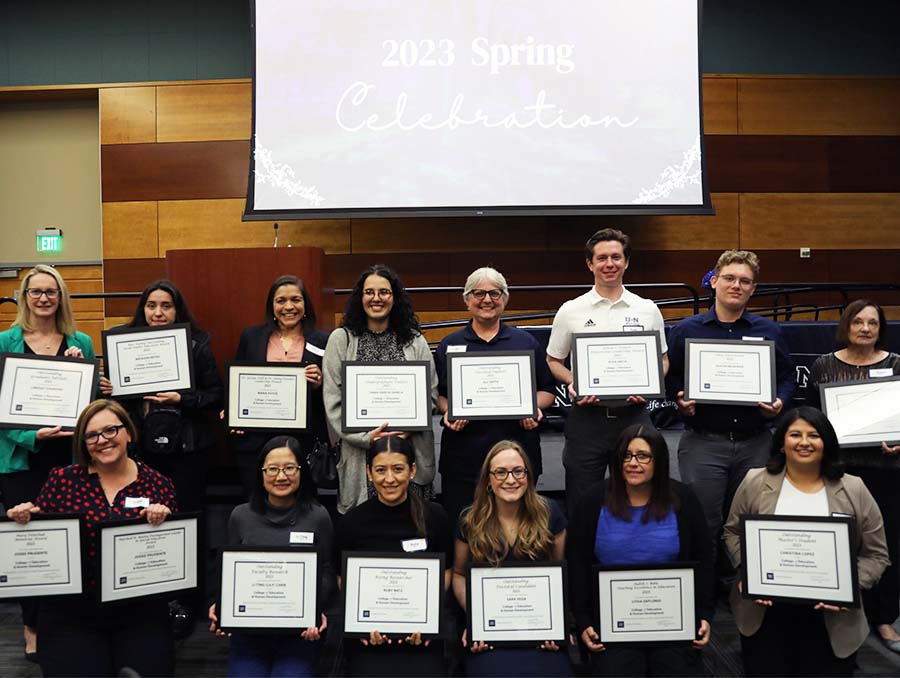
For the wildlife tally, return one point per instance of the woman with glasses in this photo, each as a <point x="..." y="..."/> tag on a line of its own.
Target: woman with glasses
<point x="395" y="520"/>
<point x="79" y="636"/>
<point x="288" y="335"/>
<point x="283" y="510"/>
<point x="44" y="325"/>
<point x="640" y="517"/>
<point x="464" y="443"/>
<point x="509" y="521"/>
<point x="379" y="325"/>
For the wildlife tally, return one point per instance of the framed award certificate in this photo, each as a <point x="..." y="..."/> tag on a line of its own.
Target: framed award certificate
<point x="520" y="603"/>
<point x="143" y="361"/>
<point x="615" y="365"/>
<point x="491" y="385"/>
<point x="800" y="559"/>
<point x="729" y="372"/>
<point x="39" y="391"/>
<point x="265" y="395"/>
<point x="395" y="392"/>
<point x="863" y="413"/>
<point x="393" y="594"/>
<point x="268" y="590"/>
<point x="42" y="557"/>
<point x="138" y="559"/>
<point x="652" y="604"/>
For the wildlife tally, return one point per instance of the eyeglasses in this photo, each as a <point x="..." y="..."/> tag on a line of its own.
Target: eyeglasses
<point x="108" y="433"/>
<point x="381" y="294"/>
<point x="519" y="473"/>
<point x="289" y="470"/>
<point x="731" y="279"/>
<point x="481" y="294"/>
<point x="36" y="293"/>
<point x="641" y="457"/>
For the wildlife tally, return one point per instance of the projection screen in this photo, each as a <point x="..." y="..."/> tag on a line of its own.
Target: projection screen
<point x="476" y="107"/>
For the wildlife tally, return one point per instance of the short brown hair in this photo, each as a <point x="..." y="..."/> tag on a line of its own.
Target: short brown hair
<point x="739" y="257"/>
<point x="80" y="447"/>
<point x="852" y="310"/>
<point x="605" y="234"/>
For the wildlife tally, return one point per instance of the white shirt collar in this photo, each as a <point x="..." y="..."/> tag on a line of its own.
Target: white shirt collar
<point x="626" y="298"/>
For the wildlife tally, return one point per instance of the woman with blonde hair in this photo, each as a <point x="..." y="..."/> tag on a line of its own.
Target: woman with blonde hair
<point x="44" y="325"/>
<point x="509" y="521"/>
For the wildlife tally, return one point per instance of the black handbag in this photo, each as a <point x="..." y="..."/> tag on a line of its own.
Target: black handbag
<point x="322" y="461"/>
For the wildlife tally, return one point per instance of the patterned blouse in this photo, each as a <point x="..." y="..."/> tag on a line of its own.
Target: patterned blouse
<point x="379" y="347"/>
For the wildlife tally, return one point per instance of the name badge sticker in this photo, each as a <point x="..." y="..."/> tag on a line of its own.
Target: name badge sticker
<point x="632" y="328"/>
<point x="456" y="348"/>
<point x="881" y="372"/>
<point x="301" y="537"/>
<point x="413" y="545"/>
<point x="137" y="502"/>
<point x="753" y="338"/>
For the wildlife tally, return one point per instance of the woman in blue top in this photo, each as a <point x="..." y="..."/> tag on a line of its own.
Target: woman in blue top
<point x="44" y="325"/>
<point x="509" y="521"/>
<point x="641" y="517"/>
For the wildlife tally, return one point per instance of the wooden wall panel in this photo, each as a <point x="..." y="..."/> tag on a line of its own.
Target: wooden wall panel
<point x="127" y="115"/>
<point x="199" y="224"/>
<point x="449" y="234"/>
<point x="864" y="164"/>
<point x="820" y="221"/>
<point x="130" y="230"/>
<point x="742" y="163"/>
<point x="175" y="171"/>
<point x="203" y="112"/>
<point x="857" y="106"/>
<point x="129" y="275"/>
<point x="719" y="105"/>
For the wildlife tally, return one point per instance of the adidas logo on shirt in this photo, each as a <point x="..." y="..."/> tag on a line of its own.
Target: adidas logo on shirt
<point x="590" y="323"/>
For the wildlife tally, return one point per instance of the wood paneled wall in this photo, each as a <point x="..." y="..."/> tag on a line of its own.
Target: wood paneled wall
<point x="793" y="162"/>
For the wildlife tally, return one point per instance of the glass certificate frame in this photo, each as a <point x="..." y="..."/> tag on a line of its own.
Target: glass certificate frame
<point x="729" y="371"/>
<point x="652" y="604"/>
<point x="38" y="391"/>
<point x="393" y="594"/>
<point x="265" y="395"/>
<point x="491" y="385"/>
<point x="615" y="365"/>
<point x="799" y="559"/>
<point x="397" y="392"/>
<point x="42" y="557"/>
<point x="138" y="559"/>
<point x="516" y="604"/>
<point x="143" y="361"/>
<point x="863" y="413"/>
<point x="269" y="590"/>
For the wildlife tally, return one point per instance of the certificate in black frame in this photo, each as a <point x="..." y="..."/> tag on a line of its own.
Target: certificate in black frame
<point x="423" y="397"/>
<point x="292" y="369"/>
<point x="179" y="330"/>
<point x="690" y="616"/>
<point x="305" y="549"/>
<point x="750" y="590"/>
<point x="561" y="639"/>
<point x="830" y="390"/>
<point x="645" y="391"/>
<point x="489" y="357"/>
<point x="692" y="392"/>
<point x="86" y="391"/>
<point x="78" y="572"/>
<point x="437" y="596"/>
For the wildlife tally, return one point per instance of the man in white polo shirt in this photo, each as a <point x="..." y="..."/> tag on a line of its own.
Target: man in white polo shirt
<point x="593" y="426"/>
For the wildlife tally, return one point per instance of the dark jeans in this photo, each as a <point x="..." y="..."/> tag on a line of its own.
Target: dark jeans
<point x="518" y="661"/>
<point x="251" y="656"/>
<point x="647" y="661"/>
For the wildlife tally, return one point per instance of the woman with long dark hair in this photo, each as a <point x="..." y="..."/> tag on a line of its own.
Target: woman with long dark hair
<point x="509" y="521"/>
<point x="379" y="325"/>
<point x="283" y="510"/>
<point x="804" y="477"/>
<point x="640" y="517"/>
<point x="288" y="335"/>
<point x="395" y="520"/>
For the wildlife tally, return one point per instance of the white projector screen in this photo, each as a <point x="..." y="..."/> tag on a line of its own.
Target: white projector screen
<point x="471" y="107"/>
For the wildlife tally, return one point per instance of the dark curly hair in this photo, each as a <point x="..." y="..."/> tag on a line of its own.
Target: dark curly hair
<point x="182" y="313"/>
<point x="402" y="321"/>
<point x="308" y="323"/>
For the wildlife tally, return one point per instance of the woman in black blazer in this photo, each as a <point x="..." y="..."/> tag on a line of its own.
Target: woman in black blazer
<point x="289" y="334"/>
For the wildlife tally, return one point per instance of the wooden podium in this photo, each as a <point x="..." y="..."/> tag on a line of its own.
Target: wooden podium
<point x="226" y="288"/>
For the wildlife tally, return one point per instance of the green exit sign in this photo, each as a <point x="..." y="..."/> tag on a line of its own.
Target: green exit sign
<point x="49" y="243"/>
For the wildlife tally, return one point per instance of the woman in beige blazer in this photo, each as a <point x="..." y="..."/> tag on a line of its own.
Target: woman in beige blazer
<point x="804" y="477"/>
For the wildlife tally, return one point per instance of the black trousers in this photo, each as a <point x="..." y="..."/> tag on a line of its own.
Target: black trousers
<point x="80" y="638"/>
<point x="793" y="641"/>
<point x="647" y="661"/>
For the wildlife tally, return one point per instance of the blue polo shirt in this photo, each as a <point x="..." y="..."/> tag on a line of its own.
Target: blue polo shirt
<point x="741" y="419"/>
<point x="463" y="452"/>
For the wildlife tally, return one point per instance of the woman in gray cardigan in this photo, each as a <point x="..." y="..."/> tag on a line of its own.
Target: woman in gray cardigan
<point x="803" y="477"/>
<point x="379" y="325"/>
